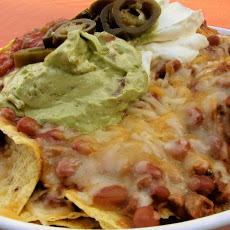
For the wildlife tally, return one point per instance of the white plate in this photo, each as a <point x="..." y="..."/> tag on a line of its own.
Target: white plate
<point x="221" y="30"/>
<point x="219" y="221"/>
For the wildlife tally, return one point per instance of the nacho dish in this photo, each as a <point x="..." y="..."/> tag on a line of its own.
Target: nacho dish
<point x="117" y="118"/>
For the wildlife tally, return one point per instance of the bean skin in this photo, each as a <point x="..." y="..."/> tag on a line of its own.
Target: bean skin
<point x="176" y="65"/>
<point x="8" y="113"/>
<point x="202" y="184"/>
<point x="28" y="126"/>
<point x="159" y="192"/>
<point x="82" y="146"/>
<point x="194" y="117"/>
<point x="146" y="167"/>
<point x="114" y="196"/>
<point x="146" y="217"/>
<point x="213" y="40"/>
<point x="52" y="135"/>
<point x="178" y="149"/>
<point x="227" y="101"/>
<point x="67" y="166"/>
<point x="131" y="207"/>
<point x="144" y="183"/>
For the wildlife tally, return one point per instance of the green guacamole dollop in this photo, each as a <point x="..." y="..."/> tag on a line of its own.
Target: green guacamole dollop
<point x="86" y="83"/>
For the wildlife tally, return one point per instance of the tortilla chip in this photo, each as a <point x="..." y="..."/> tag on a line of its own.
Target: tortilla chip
<point x="44" y="217"/>
<point x="81" y="223"/>
<point x="9" y="214"/>
<point x="20" y="164"/>
<point x="37" y="209"/>
<point x="107" y="219"/>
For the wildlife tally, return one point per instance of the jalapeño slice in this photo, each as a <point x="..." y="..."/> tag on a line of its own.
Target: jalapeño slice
<point x="30" y="56"/>
<point x="106" y="22"/>
<point x="97" y="6"/>
<point x="58" y="34"/>
<point x="61" y="33"/>
<point x="135" y="16"/>
<point x="48" y="37"/>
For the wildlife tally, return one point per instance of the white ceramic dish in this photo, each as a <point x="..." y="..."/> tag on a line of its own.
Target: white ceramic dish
<point x="219" y="221"/>
<point x="222" y="30"/>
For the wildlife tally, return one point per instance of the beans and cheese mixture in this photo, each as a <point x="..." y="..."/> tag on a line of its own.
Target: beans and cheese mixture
<point x="169" y="156"/>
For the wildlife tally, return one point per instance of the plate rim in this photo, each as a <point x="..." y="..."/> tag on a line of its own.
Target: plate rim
<point x="221" y="30"/>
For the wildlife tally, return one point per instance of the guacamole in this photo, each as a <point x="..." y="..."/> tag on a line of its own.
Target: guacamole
<point x="86" y="83"/>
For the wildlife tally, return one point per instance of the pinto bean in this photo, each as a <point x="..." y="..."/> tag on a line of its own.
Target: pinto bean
<point x="172" y="66"/>
<point x="159" y="192"/>
<point x="146" y="167"/>
<point x="67" y="166"/>
<point x="227" y="101"/>
<point x="131" y="207"/>
<point x="144" y="183"/>
<point x="202" y="184"/>
<point x="194" y="117"/>
<point x="146" y="217"/>
<point x="213" y="40"/>
<point x="178" y="149"/>
<point x="201" y="167"/>
<point x="28" y="126"/>
<point x="8" y="113"/>
<point x="176" y="65"/>
<point x="218" y="147"/>
<point x="216" y="143"/>
<point x="198" y="206"/>
<point x="114" y="196"/>
<point x="169" y="67"/>
<point x="82" y="146"/>
<point x="52" y="135"/>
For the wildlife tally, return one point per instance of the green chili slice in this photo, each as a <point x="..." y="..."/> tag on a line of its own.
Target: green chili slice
<point x="61" y="33"/>
<point x="48" y="37"/>
<point x="108" y="25"/>
<point x="97" y="6"/>
<point x="135" y="16"/>
<point x="94" y="11"/>
<point x="30" y="56"/>
<point x="58" y="34"/>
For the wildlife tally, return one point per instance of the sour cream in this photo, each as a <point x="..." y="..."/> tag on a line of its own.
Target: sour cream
<point x="175" y="34"/>
<point x="185" y="49"/>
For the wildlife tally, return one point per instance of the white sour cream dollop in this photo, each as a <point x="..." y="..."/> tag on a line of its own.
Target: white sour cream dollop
<point x="175" y="35"/>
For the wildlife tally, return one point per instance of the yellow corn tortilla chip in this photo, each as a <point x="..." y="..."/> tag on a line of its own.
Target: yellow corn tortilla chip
<point x="9" y="214"/>
<point x="45" y="217"/>
<point x="107" y="219"/>
<point x="37" y="209"/>
<point x="81" y="223"/>
<point x="20" y="164"/>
